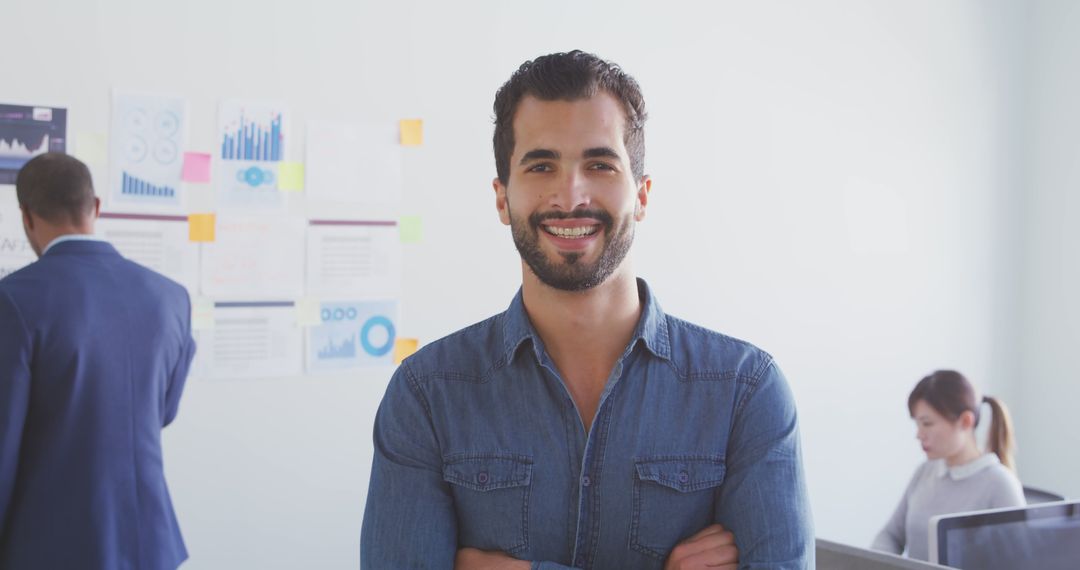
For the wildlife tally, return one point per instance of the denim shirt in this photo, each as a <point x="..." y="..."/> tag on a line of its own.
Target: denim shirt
<point x="479" y="444"/>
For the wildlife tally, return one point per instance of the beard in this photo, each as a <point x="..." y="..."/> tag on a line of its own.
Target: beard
<point x="568" y="272"/>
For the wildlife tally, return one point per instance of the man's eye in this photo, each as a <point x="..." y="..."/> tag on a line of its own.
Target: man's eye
<point x="600" y="166"/>
<point x="539" y="168"/>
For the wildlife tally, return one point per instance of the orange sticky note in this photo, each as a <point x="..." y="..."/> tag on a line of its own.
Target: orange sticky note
<point x="196" y="167"/>
<point x="412" y="132"/>
<point x="404" y="347"/>
<point x="201" y="227"/>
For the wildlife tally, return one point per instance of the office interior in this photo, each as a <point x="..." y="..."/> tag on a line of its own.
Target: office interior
<point x="868" y="190"/>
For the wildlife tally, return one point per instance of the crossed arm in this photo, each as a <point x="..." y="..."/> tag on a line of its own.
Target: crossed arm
<point x="712" y="547"/>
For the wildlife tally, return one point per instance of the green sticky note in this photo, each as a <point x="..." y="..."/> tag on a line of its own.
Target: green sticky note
<point x="91" y="148"/>
<point x="202" y="313"/>
<point x="309" y="312"/>
<point x="411" y="229"/>
<point x="291" y="176"/>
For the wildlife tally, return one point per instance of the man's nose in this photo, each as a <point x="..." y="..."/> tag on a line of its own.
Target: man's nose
<point x="570" y="192"/>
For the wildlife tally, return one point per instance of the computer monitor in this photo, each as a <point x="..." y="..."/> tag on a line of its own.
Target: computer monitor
<point x="1044" y="536"/>
<point x="835" y="556"/>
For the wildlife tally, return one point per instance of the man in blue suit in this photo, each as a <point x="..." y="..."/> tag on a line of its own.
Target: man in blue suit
<point x="94" y="351"/>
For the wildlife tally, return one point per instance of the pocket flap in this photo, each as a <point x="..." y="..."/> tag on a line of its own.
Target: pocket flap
<point x="487" y="471"/>
<point x="683" y="473"/>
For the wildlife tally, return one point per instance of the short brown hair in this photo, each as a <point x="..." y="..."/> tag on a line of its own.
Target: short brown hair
<point x="56" y="187"/>
<point x="569" y="77"/>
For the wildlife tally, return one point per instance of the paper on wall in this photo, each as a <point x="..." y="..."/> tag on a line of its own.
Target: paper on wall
<point x="251" y="340"/>
<point x="254" y="258"/>
<point x="353" y="261"/>
<point x="158" y="242"/>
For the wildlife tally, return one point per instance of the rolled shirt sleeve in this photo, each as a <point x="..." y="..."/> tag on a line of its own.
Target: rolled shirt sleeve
<point x="763" y="500"/>
<point x="409" y="519"/>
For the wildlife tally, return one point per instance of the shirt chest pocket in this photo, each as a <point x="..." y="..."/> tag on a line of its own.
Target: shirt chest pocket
<point x="491" y="498"/>
<point x="674" y="498"/>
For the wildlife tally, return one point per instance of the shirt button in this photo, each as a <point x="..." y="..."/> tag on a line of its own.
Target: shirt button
<point x="684" y="477"/>
<point x="482" y="477"/>
<point x="585" y="481"/>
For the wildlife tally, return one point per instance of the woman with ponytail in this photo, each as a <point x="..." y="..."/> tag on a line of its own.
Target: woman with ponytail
<point x="957" y="476"/>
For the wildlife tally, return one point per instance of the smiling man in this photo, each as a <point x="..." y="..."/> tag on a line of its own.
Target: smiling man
<point x="583" y="427"/>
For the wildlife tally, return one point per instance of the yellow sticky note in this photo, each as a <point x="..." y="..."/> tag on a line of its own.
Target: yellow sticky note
<point x="309" y="312"/>
<point x="91" y="148"/>
<point x="412" y="132"/>
<point x="202" y="313"/>
<point x="403" y="348"/>
<point x="291" y="176"/>
<point x="410" y="229"/>
<point x="201" y="227"/>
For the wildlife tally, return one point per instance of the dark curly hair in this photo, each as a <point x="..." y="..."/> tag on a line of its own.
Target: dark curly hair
<point x="569" y="77"/>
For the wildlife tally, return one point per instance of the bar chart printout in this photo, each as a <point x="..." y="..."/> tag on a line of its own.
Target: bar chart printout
<point x="252" y="131"/>
<point x="26" y="132"/>
<point x="147" y="137"/>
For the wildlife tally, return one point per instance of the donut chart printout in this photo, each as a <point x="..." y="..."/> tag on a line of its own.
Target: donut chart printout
<point x="353" y="334"/>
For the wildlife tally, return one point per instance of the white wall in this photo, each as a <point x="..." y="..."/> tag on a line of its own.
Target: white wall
<point x="1049" y="382"/>
<point x="833" y="181"/>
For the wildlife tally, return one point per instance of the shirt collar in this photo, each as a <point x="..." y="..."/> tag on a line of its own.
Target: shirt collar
<point x="968" y="469"/>
<point x="651" y="327"/>
<point x="70" y="237"/>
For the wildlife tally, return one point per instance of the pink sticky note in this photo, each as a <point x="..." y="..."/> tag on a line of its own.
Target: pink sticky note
<point x="196" y="167"/>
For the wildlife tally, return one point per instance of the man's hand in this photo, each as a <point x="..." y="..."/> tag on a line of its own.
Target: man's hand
<point x="474" y="559"/>
<point x="712" y="547"/>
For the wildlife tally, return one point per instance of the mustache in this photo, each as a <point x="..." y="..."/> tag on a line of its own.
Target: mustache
<point x="536" y="218"/>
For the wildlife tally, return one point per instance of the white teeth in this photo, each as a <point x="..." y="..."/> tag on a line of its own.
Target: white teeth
<point x="570" y="232"/>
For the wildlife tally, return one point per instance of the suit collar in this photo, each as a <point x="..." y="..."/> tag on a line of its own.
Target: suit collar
<point x="79" y="246"/>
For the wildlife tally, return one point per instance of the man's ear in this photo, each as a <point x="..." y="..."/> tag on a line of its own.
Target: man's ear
<point x="500" y="201"/>
<point x="27" y="219"/>
<point x="644" y="187"/>
<point x="97" y="207"/>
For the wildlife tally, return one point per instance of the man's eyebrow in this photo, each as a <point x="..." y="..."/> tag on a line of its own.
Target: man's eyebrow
<point x="601" y="152"/>
<point x="538" y="154"/>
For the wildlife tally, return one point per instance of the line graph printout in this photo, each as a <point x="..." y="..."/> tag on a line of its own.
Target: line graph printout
<point x="252" y="339"/>
<point x="158" y="242"/>
<point x="254" y="258"/>
<point x="353" y="260"/>
<point x="15" y="250"/>
<point x="148" y="135"/>
<point x="27" y="131"/>
<point x="353" y="334"/>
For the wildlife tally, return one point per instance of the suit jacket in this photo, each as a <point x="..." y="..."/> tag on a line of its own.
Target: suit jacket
<point x="94" y="351"/>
